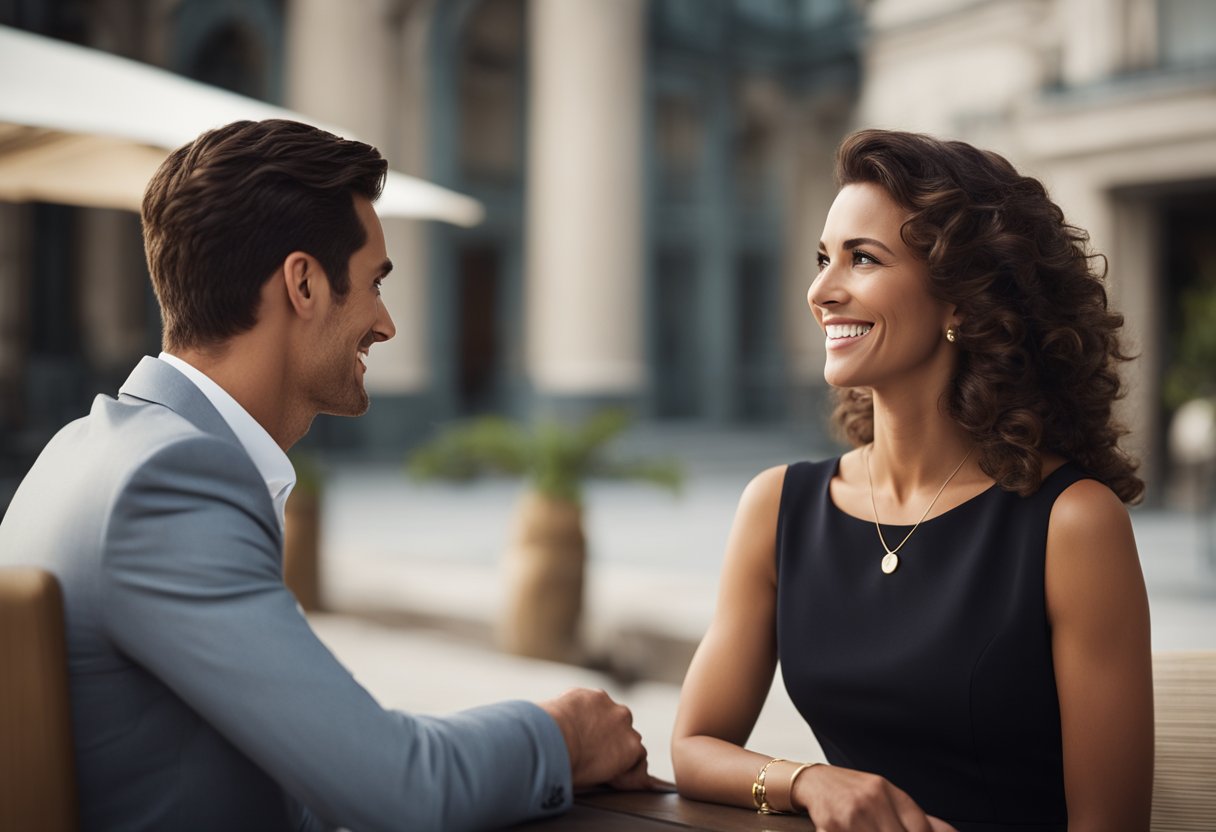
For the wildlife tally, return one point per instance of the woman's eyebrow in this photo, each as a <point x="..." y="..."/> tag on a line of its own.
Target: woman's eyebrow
<point x="866" y="241"/>
<point x="859" y="241"/>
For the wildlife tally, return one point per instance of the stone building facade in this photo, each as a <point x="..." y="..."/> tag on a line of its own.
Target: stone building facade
<point x="1112" y="103"/>
<point x="655" y="174"/>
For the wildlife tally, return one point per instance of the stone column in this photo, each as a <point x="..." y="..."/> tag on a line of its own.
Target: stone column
<point x="819" y="128"/>
<point x="583" y="260"/>
<point x="112" y="291"/>
<point x="1136" y="290"/>
<point x="1091" y="50"/>
<point x="343" y="68"/>
<point x="1126" y="230"/>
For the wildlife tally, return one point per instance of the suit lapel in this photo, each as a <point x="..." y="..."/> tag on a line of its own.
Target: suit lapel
<point x="154" y="381"/>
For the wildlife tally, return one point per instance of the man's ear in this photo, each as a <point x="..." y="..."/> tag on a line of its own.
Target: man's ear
<point x="303" y="276"/>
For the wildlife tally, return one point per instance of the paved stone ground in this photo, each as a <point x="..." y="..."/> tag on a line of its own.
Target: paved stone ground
<point x="411" y="575"/>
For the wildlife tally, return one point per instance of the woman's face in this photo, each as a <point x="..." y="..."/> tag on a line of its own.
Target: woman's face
<point x="872" y="298"/>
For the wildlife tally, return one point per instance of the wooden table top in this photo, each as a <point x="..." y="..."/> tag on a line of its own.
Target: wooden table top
<point x="660" y="812"/>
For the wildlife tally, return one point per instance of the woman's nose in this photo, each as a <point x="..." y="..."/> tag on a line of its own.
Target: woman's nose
<point x="826" y="288"/>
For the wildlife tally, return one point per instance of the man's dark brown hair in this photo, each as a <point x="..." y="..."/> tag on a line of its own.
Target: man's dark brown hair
<point x="223" y="212"/>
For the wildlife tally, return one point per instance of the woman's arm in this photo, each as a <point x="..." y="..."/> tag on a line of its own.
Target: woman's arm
<point x="1098" y="609"/>
<point x="728" y="681"/>
<point x="732" y="671"/>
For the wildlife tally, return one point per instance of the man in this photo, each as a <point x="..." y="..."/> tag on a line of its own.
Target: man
<point x="201" y="698"/>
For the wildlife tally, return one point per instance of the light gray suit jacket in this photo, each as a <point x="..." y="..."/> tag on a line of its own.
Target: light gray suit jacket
<point x="201" y="698"/>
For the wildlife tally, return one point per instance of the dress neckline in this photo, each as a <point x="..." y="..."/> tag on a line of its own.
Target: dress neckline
<point x="936" y="517"/>
<point x="926" y="521"/>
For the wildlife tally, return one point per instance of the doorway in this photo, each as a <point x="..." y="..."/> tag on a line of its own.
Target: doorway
<point x="479" y="337"/>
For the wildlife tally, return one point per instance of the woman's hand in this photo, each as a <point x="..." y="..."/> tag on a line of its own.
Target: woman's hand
<point x="845" y="800"/>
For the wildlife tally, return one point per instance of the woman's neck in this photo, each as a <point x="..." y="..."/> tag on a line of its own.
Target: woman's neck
<point x="916" y="445"/>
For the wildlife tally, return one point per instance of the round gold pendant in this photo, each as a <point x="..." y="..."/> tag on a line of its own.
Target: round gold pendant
<point x="890" y="563"/>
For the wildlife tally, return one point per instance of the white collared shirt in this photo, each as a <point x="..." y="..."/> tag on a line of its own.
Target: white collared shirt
<point x="267" y="456"/>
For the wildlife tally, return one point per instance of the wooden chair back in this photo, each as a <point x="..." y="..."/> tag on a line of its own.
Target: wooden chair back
<point x="37" y="765"/>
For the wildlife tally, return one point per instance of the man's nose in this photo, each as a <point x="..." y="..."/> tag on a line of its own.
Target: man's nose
<point x="384" y="328"/>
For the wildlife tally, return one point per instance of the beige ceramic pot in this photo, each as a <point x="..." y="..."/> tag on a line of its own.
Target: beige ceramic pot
<point x="544" y="580"/>
<point x="301" y="548"/>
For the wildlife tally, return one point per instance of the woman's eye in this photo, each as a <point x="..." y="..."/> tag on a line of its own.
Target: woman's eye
<point x="861" y="258"/>
<point x="822" y="260"/>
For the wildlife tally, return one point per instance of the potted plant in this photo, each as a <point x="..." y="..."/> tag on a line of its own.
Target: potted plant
<point x="1190" y="396"/>
<point x="545" y="561"/>
<point x="302" y="533"/>
<point x="1193" y="347"/>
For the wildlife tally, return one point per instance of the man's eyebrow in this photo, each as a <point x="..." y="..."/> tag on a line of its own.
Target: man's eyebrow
<point x="385" y="268"/>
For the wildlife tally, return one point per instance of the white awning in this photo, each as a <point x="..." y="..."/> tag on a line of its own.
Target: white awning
<point x="84" y="127"/>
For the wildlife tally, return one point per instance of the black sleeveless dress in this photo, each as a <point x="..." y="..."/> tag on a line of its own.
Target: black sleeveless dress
<point x="939" y="676"/>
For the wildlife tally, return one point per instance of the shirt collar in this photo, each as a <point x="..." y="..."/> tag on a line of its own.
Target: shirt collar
<point x="267" y="456"/>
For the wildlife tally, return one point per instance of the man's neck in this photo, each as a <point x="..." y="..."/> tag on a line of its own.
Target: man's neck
<point x="258" y="381"/>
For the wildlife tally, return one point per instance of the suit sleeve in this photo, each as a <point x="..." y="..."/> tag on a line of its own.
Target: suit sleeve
<point x="193" y="591"/>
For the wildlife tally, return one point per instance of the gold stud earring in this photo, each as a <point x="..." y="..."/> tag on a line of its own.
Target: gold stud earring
<point x="951" y="334"/>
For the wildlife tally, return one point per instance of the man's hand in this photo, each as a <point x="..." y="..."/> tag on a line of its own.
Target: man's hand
<point x="599" y="734"/>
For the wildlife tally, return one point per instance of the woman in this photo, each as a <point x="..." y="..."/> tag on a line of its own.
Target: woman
<point x="957" y="602"/>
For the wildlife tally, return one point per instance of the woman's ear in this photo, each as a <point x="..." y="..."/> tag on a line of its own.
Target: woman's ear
<point x="302" y="275"/>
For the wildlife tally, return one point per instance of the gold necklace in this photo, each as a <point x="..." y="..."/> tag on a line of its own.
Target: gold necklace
<point x="890" y="561"/>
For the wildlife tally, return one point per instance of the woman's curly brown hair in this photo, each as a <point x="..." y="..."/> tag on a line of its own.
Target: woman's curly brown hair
<point x="1038" y="345"/>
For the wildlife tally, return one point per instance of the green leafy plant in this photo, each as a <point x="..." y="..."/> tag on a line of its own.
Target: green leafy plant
<point x="545" y="560"/>
<point x="310" y="475"/>
<point x="555" y="459"/>
<point x="302" y="531"/>
<point x="1193" y="371"/>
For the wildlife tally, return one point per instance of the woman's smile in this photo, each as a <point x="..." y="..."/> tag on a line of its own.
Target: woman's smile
<point x="840" y="335"/>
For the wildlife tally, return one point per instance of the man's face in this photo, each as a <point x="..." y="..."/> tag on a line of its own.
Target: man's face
<point x="352" y="324"/>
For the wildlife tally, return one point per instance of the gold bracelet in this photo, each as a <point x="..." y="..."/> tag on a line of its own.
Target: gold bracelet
<point x="760" y="793"/>
<point x="794" y="777"/>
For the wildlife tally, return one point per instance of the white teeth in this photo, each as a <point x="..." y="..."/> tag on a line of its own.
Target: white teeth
<point x="835" y="331"/>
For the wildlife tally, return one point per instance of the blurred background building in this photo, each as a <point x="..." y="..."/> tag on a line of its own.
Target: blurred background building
<point x="655" y="175"/>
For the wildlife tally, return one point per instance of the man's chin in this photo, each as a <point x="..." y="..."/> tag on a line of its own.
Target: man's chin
<point x="352" y="408"/>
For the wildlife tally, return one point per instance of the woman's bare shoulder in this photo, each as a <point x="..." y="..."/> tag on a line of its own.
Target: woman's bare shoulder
<point x="1090" y="532"/>
<point x="768" y="482"/>
<point x="1087" y="504"/>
